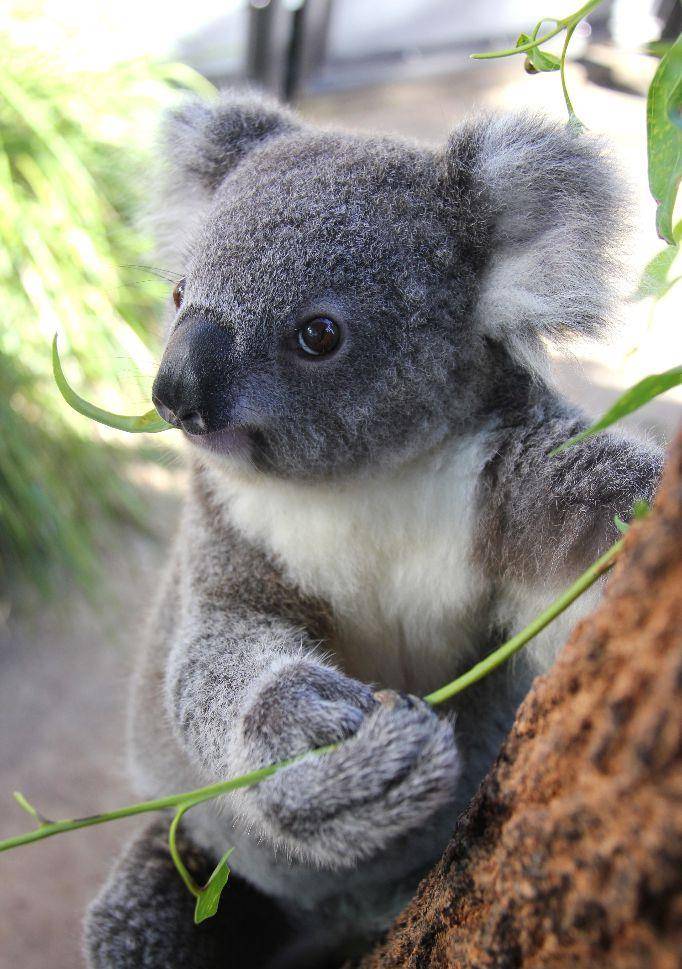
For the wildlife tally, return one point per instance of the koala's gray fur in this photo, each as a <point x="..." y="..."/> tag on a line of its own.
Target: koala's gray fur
<point x="383" y="519"/>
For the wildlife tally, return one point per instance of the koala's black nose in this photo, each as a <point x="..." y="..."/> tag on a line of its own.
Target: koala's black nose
<point x="191" y="388"/>
<point x="191" y="421"/>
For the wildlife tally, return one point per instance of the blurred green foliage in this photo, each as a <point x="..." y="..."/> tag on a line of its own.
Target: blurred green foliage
<point x="72" y="160"/>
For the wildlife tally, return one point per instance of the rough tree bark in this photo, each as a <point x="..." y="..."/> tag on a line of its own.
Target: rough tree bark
<point x="571" y="853"/>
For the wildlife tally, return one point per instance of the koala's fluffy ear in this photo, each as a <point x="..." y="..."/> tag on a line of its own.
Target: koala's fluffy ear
<point x="540" y="210"/>
<point x="203" y="140"/>
<point x="200" y="142"/>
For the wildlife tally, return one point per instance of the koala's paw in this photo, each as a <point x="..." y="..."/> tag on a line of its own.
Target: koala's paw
<point x="300" y="707"/>
<point x="398" y="770"/>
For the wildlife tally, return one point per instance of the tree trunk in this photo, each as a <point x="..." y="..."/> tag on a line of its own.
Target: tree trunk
<point x="571" y="852"/>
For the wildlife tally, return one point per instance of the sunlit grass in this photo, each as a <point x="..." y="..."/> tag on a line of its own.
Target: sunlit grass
<point x="73" y="178"/>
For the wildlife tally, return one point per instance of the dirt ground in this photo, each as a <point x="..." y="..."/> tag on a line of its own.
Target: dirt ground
<point x="63" y="670"/>
<point x="63" y="678"/>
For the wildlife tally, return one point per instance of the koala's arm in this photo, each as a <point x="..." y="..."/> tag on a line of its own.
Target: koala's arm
<point x="235" y="682"/>
<point x="546" y="518"/>
<point x="243" y="653"/>
<point x="246" y="686"/>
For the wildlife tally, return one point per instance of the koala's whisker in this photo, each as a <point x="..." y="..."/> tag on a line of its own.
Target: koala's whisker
<point x="166" y="274"/>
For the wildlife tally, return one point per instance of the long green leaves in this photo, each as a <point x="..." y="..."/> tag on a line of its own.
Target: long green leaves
<point x="634" y="398"/>
<point x="664" y="136"/>
<point x="663" y="271"/>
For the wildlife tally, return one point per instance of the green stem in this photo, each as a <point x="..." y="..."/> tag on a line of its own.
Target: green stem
<point x="513" y="645"/>
<point x="158" y="804"/>
<point x="175" y="854"/>
<point x="529" y="45"/>
<point x="571" y="113"/>
<point x="190" y="798"/>
<point x="570" y="22"/>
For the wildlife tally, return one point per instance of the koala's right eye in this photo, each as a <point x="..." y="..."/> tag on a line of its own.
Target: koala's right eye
<point x="319" y="336"/>
<point x="179" y="292"/>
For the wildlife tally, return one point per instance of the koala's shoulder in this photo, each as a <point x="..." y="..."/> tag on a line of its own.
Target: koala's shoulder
<point x="235" y="575"/>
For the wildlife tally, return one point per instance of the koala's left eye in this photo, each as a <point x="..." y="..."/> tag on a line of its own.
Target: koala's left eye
<point x="178" y="293"/>
<point x="319" y="336"/>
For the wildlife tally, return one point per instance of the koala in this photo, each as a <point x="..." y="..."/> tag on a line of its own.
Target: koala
<point x="357" y="358"/>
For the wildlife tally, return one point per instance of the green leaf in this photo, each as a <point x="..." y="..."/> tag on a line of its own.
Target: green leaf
<point x="622" y="526"/>
<point x="656" y="48"/>
<point x="28" y="807"/>
<point x="209" y="897"/>
<point x="664" y="137"/>
<point x="544" y="61"/>
<point x="656" y="281"/>
<point x="538" y="59"/>
<point x="150" y="422"/>
<point x="631" y="400"/>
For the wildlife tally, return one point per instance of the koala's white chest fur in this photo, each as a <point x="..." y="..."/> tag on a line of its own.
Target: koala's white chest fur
<point x="390" y="553"/>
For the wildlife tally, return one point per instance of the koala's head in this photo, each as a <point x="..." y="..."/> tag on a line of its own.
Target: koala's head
<point x="350" y="302"/>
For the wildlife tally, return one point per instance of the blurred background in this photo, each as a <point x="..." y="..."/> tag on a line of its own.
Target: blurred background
<point x="86" y="513"/>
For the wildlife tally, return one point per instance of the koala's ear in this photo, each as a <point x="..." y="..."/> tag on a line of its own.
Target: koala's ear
<point x="203" y="140"/>
<point x="200" y="142"/>
<point x="539" y="209"/>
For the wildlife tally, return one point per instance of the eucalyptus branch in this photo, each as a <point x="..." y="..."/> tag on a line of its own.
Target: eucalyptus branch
<point x="175" y="854"/>
<point x="513" y="645"/>
<point x="188" y="799"/>
<point x="567" y="23"/>
<point x="572" y="116"/>
<point x="540" y="60"/>
<point x="531" y="44"/>
<point x="207" y="896"/>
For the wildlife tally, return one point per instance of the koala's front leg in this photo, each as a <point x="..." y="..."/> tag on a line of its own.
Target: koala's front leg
<point x="247" y="692"/>
<point x="543" y="519"/>
<point x="398" y="772"/>
<point x="143" y="916"/>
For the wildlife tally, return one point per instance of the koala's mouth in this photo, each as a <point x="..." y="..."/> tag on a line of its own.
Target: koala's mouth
<point x="229" y="441"/>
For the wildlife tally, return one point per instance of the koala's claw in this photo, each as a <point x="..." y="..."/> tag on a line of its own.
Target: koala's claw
<point x="399" y="769"/>
<point x="390" y="698"/>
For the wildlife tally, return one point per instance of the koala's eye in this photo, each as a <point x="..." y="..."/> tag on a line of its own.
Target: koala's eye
<point x="178" y="293"/>
<point x="319" y="336"/>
